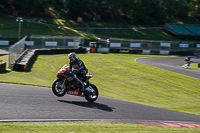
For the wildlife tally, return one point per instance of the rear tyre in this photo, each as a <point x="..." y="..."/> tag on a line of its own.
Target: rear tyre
<point x="91" y="97"/>
<point x="58" y="88"/>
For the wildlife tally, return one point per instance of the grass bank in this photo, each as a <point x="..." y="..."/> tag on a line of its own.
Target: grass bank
<point x="87" y="127"/>
<point x="48" y="26"/>
<point x="119" y="76"/>
<point x="194" y="66"/>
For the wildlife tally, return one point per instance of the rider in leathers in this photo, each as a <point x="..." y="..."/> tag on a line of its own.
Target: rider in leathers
<point x="188" y="60"/>
<point x="79" y="66"/>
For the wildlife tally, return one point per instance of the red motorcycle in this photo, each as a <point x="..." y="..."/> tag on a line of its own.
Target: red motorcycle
<point x="67" y="82"/>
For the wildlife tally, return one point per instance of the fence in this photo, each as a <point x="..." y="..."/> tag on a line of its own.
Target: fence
<point x="39" y="41"/>
<point x="46" y="41"/>
<point x="15" y="51"/>
<point x="114" y="44"/>
<point x="151" y="44"/>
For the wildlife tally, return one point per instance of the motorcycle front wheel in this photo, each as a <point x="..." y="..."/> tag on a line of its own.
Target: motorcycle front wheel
<point x="91" y="97"/>
<point x="59" y="88"/>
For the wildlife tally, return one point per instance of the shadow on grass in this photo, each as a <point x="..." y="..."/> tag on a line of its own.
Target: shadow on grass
<point x="31" y="62"/>
<point x="90" y="105"/>
<point x="4" y="72"/>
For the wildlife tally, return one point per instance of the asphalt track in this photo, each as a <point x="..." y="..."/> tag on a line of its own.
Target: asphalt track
<point x="33" y="103"/>
<point x="171" y="64"/>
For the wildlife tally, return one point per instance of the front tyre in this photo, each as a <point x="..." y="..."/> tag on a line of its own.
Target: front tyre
<point x="92" y="96"/>
<point x="59" y="88"/>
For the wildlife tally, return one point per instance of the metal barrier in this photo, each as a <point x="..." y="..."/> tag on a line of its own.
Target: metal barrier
<point x="15" y="51"/>
<point x="120" y="45"/>
<point x="46" y="41"/>
<point x="134" y="44"/>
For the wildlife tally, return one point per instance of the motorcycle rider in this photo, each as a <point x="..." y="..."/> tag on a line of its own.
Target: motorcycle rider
<point x="78" y="65"/>
<point x="188" y="61"/>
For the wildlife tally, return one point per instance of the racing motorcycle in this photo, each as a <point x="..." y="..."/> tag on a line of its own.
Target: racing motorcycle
<point x="67" y="82"/>
<point x="186" y="65"/>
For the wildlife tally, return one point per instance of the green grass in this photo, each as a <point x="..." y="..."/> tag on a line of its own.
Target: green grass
<point x="9" y="29"/>
<point x="194" y="66"/>
<point x="119" y="76"/>
<point x="87" y="127"/>
<point x="147" y="34"/>
<point x="60" y="22"/>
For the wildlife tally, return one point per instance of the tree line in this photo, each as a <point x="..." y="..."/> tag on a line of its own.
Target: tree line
<point x="131" y="11"/>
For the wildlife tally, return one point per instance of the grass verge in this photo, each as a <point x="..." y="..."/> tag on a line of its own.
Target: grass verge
<point x="194" y="66"/>
<point x="87" y="126"/>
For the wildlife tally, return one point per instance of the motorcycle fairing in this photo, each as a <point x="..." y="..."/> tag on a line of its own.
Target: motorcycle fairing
<point x="74" y="92"/>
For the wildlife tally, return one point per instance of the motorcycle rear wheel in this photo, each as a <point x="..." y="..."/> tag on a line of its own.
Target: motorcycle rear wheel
<point x="91" y="97"/>
<point x="58" y="89"/>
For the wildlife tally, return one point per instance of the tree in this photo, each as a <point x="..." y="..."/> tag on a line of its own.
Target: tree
<point x="132" y="11"/>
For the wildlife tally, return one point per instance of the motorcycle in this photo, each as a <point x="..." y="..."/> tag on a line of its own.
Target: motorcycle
<point x="67" y="82"/>
<point x="186" y="65"/>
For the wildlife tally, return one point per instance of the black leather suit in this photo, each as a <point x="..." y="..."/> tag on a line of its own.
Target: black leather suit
<point x="79" y="65"/>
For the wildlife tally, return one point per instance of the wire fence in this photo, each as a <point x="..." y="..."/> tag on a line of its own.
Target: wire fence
<point x="15" y="51"/>
<point x="147" y="46"/>
<point x="134" y="44"/>
<point x="46" y="41"/>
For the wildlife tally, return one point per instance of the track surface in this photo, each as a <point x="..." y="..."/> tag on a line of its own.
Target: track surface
<point x="171" y="64"/>
<point x="33" y="103"/>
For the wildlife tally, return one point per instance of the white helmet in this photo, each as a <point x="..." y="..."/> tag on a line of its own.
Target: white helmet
<point x="72" y="56"/>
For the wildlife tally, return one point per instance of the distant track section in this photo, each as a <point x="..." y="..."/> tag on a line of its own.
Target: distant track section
<point x="171" y="64"/>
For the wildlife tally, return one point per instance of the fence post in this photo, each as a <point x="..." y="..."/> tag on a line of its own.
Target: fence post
<point x="64" y="42"/>
<point x="42" y="42"/>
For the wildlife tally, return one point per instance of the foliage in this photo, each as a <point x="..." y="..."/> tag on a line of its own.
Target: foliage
<point x="132" y="11"/>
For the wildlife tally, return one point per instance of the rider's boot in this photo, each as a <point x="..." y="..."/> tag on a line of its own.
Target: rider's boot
<point x="85" y="84"/>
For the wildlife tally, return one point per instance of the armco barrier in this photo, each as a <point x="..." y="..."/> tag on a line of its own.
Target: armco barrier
<point x="154" y="46"/>
<point x="2" y="67"/>
<point x="149" y="52"/>
<point x="164" y="52"/>
<point x="103" y="50"/>
<point x="135" y="51"/>
<point x="126" y="51"/>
